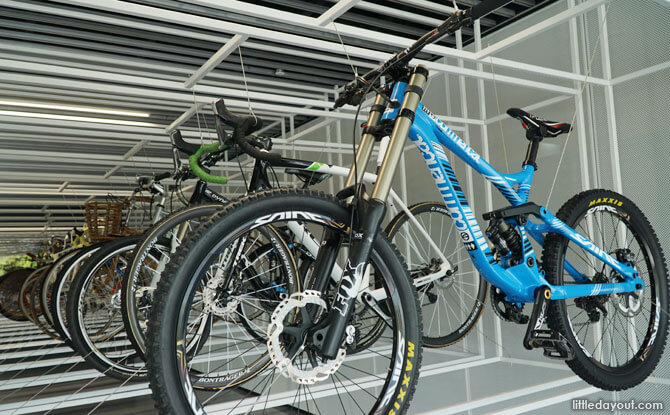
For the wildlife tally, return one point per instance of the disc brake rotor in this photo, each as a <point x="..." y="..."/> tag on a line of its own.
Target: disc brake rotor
<point x="320" y="370"/>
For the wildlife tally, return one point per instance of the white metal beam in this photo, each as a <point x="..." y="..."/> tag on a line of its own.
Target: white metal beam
<point x="642" y="72"/>
<point x="101" y="76"/>
<point x="135" y="149"/>
<point x="539" y="27"/>
<point x="215" y="60"/>
<point x="337" y="10"/>
<point x="185" y="116"/>
<point x="290" y="39"/>
<point x="531" y="107"/>
<point x="373" y="36"/>
<point x="110" y="172"/>
<point x="50" y="53"/>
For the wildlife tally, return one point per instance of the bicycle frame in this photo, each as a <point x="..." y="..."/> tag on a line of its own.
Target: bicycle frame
<point x="518" y="282"/>
<point x="260" y="181"/>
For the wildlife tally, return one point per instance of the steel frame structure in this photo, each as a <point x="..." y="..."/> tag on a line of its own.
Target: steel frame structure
<point x="280" y="102"/>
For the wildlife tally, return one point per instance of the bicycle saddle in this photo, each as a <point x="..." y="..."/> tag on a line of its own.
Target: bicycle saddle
<point x="537" y="127"/>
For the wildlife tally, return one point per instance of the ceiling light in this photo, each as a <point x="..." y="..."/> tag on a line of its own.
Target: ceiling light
<point x="69" y="108"/>
<point x="74" y="118"/>
<point x="280" y="72"/>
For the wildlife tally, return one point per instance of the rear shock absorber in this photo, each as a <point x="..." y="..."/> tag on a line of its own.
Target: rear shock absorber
<point x="505" y="239"/>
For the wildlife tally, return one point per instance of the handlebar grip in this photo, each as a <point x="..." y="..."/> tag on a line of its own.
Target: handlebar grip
<point x="256" y="153"/>
<point x="162" y="176"/>
<point x="340" y="101"/>
<point x="480" y="10"/>
<point x="198" y="170"/>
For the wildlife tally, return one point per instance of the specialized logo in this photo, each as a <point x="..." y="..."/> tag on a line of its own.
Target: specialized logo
<point x="349" y="284"/>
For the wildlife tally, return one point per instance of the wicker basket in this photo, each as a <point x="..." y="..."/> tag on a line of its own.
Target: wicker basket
<point x="103" y="219"/>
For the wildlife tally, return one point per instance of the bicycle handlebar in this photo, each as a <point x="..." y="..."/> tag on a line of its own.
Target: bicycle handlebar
<point x="198" y="170"/>
<point x="162" y="176"/>
<point x="354" y="91"/>
<point x="242" y="127"/>
<point x="195" y="152"/>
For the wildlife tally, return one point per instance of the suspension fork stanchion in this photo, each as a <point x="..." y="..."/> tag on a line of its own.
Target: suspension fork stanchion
<point x="371" y="213"/>
<point x="367" y="143"/>
<point x="327" y="255"/>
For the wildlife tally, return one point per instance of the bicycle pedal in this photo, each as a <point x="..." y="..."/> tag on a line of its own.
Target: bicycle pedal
<point x="559" y="354"/>
<point x="555" y="346"/>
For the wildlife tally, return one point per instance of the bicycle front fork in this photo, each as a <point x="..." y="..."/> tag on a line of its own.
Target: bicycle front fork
<point x="370" y="214"/>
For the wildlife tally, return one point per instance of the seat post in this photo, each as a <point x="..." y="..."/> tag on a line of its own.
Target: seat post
<point x="531" y="153"/>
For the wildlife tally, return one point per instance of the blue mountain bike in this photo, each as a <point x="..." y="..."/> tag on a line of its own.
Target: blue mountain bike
<point x="601" y="285"/>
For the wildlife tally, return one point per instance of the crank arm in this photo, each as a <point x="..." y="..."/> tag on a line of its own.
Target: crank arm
<point x="371" y="302"/>
<point x="379" y="294"/>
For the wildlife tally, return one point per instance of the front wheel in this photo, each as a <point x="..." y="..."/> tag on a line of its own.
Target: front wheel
<point x="617" y="339"/>
<point x="149" y="259"/>
<point x="379" y="379"/>
<point x="94" y="312"/>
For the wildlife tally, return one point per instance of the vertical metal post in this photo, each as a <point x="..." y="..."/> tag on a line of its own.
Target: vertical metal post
<point x="613" y="135"/>
<point x="283" y="137"/>
<point x="331" y="182"/>
<point x="579" y="103"/>
<point x="338" y="138"/>
<point x="484" y="133"/>
<point x="609" y="101"/>
<point x="291" y="127"/>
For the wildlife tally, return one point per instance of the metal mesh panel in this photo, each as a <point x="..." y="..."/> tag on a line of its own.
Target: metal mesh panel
<point x="638" y="35"/>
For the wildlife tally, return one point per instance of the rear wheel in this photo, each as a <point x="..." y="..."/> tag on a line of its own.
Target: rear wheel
<point x="26" y="297"/>
<point x="453" y="302"/>
<point x="10" y="293"/>
<point x="617" y="339"/>
<point x="37" y="312"/>
<point x="46" y="287"/>
<point x="61" y="288"/>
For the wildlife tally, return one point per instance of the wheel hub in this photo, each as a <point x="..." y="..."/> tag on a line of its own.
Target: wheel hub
<point x="287" y="341"/>
<point x="627" y="304"/>
<point x="220" y="304"/>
